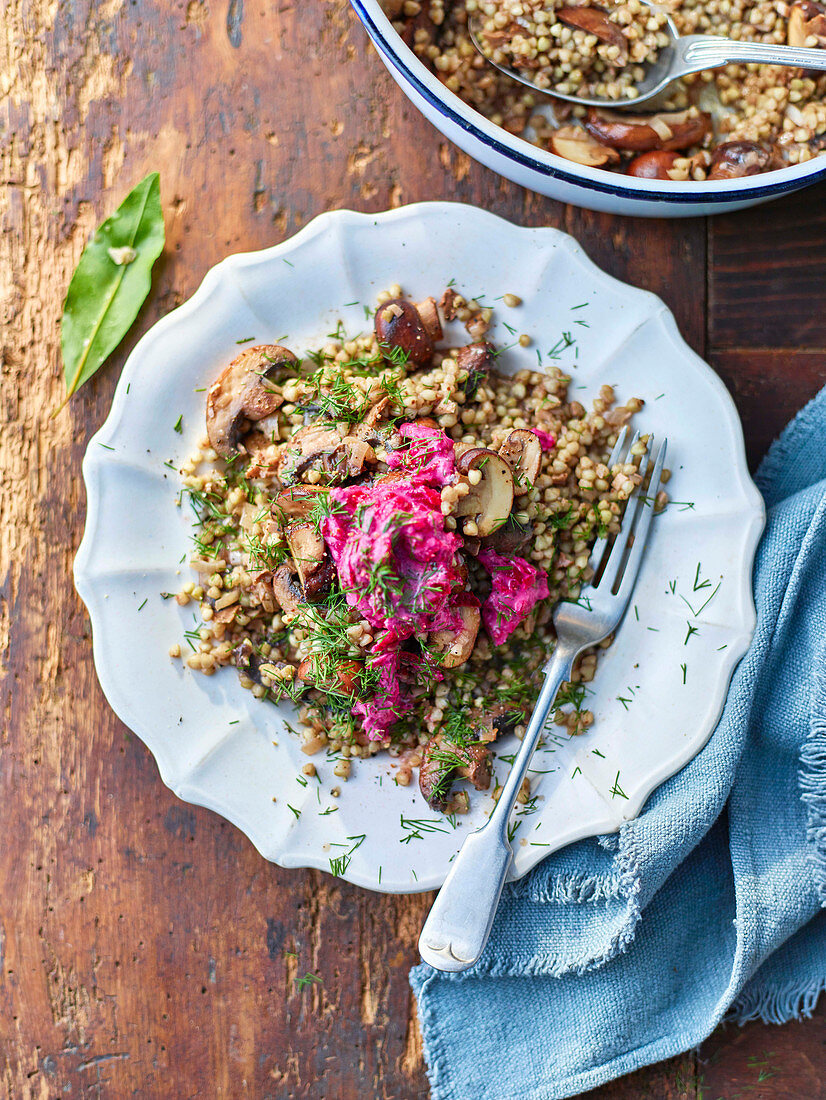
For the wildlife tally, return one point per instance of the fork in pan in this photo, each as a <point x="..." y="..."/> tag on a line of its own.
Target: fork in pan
<point x="459" y="923"/>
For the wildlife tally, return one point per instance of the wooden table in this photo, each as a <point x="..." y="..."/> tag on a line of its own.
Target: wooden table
<point x="145" y="948"/>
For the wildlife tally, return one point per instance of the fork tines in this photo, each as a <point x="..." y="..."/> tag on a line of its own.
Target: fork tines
<point x="616" y="570"/>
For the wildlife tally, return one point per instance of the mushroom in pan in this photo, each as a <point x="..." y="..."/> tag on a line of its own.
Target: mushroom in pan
<point x="657" y="164"/>
<point x="735" y="159"/>
<point x="245" y="391"/>
<point x="806" y="20"/>
<point x="489" y="499"/>
<point x="639" y="133"/>
<point x="510" y="538"/>
<point x="575" y="144"/>
<point x="596" y="21"/>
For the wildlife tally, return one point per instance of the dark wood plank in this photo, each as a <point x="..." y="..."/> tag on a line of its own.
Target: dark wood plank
<point x="757" y="1062"/>
<point x="145" y="948"/>
<point x="768" y="388"/>
<point x="767" y="275"/>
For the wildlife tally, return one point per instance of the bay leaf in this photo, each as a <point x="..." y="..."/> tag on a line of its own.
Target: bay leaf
<point x="110" y="283"/>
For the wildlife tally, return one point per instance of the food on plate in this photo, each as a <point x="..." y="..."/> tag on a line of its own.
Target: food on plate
<point x="726" y="123"/>
<point x="382" y="527"/>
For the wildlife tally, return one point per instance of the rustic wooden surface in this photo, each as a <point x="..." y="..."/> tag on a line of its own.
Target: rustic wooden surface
<point x="145" y="948"/>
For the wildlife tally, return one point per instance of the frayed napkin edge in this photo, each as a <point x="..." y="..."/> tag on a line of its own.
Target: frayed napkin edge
<point x="812" y="778"/>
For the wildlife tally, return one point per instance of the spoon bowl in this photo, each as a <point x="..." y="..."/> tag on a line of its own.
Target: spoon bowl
<point x="682" y="56"/>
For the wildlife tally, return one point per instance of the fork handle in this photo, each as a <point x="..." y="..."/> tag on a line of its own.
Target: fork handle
<point x="706" y="51"/>
<point x="459" y="922"/>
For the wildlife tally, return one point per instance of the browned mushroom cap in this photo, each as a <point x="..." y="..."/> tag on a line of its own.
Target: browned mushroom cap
<point x="806" y="20"/>
<point x="639" y="133"/>
<point x="575" y="144"/>
<point x="286" y="587"/>
<point x="490" y="498"/>
<point x="245" y="390"/>
<point x="523" y="453"/>
<point x="451" y="648"/>
<point x="734" y="159"/>
<point x="399" y="326"/>
<point x="658" y="164"/>
<point x="596" y="21"/>
<point x="443" y="762"/>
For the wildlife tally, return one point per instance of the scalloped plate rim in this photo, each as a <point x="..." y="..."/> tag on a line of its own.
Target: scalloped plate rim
<point x="95" y="463"/>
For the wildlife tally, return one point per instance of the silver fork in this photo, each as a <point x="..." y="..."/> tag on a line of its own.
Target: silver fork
<point x="460" y="920"/>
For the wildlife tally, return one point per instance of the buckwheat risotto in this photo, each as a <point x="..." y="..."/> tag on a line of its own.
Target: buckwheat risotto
<point x="383" y="527"/>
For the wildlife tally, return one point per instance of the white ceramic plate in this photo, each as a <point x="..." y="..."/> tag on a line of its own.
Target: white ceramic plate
<point x="659" y="690"/>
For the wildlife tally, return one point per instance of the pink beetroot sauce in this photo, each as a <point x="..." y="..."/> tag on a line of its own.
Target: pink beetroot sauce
<point x="399" y="566"/>
<point x="516" y="588"/>
<point x="546" y="440"/>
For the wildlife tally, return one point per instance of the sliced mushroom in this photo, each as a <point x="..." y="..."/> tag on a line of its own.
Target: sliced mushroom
<point x="640" y="133"/>
<point x="447" y="303"/>
<point x="452" y="648"/>
<point x="245" y="390"/>
<point x="287" y="588"/>
<point x="443" y="762"/>
<point x="575" y="144"/>
<point x="658" y="164"/>
<point x="510" y="538"/>
<point x="734" y="159"/>
<point x="254" y="666"/>
<point x="351" y="456"/>
<point x="523" y="453"/>
<point x="247" y="661"/>
<point x="806" y="20"/>
<point x="307" y="548"/>
<point x="319" y="583"/>
<point x="298" y="501"/>
<point x="597" y="22"/>
<point x="315" y="438"/>
<point x="489" y="499"/>
<point x="428" y="311"/>
<point x="478" y="360"/>
<point x="399" y="326"/>
<point x="343" y="676"/>
<point x="312" y="447"/>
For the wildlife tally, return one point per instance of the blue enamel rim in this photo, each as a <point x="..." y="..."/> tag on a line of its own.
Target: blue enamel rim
<point x="772" y="190"/>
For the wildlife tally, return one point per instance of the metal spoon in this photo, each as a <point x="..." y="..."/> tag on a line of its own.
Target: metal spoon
<point x="690" y="54"/>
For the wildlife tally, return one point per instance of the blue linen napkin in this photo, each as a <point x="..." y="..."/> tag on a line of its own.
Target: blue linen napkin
<point x="627" y="949"/>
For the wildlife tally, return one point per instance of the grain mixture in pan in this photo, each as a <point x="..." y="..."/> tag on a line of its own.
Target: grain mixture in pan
<point x="723" y="124"/>
<point x="576" y="50"/>
<point x="383" y="528"/>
